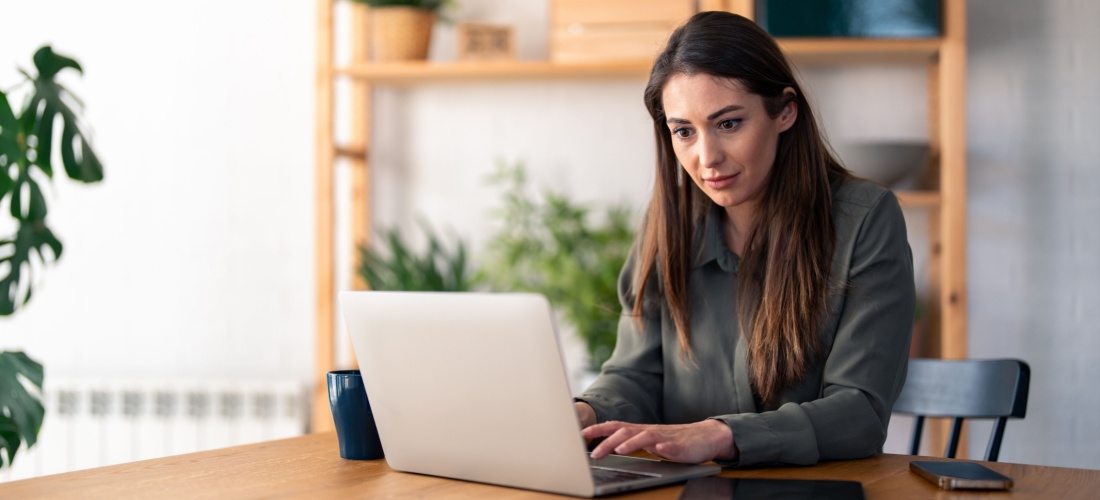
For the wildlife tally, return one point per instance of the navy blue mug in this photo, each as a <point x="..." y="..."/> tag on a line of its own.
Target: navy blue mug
<point x="355" y="429"/>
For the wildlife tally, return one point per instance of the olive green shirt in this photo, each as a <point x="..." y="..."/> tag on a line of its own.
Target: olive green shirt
<point x="840" y="410"/>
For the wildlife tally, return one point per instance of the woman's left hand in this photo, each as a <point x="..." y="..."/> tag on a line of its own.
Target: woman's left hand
<point x="689" y="443"/>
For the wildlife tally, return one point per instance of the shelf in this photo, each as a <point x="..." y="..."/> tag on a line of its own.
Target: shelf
<point x="424" y="72"/>
<point x="833" y="50"/>
<point x="808" y="51"/>
<point x="919" y="199"/>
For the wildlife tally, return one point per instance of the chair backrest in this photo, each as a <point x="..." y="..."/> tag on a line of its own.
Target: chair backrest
<point x="985" y="388"/>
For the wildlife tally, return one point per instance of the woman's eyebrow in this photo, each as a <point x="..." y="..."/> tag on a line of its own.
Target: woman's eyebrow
<point x="727" y="109"/>
<point x="716" y="114"/>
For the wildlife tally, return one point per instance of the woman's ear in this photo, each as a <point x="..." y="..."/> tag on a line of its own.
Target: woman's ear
<point x="789" y="113"/>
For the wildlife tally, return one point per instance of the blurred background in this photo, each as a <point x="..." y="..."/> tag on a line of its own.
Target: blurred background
<point x="182" y="315"/>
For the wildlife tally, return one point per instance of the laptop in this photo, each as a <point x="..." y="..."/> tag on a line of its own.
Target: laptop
<point x="472" y="386"/>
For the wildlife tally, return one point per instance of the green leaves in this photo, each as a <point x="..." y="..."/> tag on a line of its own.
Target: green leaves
<point x="49" y="63"/>
<point x="27" y="144"/>
<point x="21" y="411"/>
<point x="10" y="150"/>
<point x="395" y="266"/>
<point x="551" y="245"/>
<point x="32" y="236"/>
<point x="50" y="101"/>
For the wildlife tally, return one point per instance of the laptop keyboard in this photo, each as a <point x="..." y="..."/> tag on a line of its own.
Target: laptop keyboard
<point x="603" y="475"/>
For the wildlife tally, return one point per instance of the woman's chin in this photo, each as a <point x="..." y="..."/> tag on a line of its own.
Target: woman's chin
<point x="726" y="200"/>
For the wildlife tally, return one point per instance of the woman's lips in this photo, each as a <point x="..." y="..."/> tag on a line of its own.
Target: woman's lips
<point x="720" y="181"/>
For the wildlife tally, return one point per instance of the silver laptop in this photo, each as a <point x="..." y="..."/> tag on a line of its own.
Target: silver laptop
<point x="472" y="386"/>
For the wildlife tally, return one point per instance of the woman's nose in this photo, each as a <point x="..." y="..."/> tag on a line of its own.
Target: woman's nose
<point x="710" y="153"/>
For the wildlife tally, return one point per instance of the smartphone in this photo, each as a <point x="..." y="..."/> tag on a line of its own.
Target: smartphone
<point x="961" y="475"/>
<point x="729" y="488"/>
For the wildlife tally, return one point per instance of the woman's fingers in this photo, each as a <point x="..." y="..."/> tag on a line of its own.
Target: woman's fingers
<point x="668" y="450"/>
<point x="692" y="443"/>
<point x="615" y="432"/>
<point x="604" y="429"/>
<point x="623" y="438"/>
<point x="646" y="439"/>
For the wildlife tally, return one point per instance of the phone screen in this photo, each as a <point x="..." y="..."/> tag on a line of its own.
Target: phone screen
<point x="728" y="488"/>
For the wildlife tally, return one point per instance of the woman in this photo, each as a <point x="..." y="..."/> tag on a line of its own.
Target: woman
<point x="769" y="299"/>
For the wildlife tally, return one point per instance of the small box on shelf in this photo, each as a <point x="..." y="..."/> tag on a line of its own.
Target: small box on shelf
<point x="485" y="42"/>
<point x="613" y="30"/>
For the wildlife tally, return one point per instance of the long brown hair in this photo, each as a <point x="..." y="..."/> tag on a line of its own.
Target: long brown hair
<point x="783" y="281"/>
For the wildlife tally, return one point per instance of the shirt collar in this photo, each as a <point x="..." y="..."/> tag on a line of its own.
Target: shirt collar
<point x="711" y="245"/>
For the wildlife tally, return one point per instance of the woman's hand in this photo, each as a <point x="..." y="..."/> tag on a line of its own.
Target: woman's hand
<point x="689" y="443"/>
<point x="585" y="414"/>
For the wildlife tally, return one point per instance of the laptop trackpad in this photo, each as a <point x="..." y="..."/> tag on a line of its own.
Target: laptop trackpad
<point x="645" y="466"/>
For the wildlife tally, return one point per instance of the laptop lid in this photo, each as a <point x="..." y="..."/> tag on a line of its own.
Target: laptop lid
<point x="469" y="386"/>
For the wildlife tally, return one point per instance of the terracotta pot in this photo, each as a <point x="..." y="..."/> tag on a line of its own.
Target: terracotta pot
<point x="401" y="33"/>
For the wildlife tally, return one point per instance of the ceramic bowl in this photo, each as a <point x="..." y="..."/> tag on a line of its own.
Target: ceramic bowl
<point x="890" y="163"/>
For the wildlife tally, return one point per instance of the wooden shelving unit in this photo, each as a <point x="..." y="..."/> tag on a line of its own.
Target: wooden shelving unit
<point x="411" y="73"/>
<point x="804" y="51"/>
<point x="945" y="201"/>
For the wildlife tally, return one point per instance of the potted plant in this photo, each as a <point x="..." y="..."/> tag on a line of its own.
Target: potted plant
<point x="27" y="143"/>
<point x="401" y="30"/>
<point x="552" y="245"/>
<point x="394" y="265"/>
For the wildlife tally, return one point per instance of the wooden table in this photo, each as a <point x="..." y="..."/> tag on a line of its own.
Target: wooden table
<point x="310" y="467"/>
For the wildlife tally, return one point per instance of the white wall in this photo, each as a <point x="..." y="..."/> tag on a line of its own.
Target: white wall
<point x="1034" y="180"/>
<point x="194" y="257"/>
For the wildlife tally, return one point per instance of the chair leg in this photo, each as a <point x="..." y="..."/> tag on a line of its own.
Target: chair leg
<point x="994" y="449"/>
<point x="953" y="441"/>
<point x="914" y="443"/>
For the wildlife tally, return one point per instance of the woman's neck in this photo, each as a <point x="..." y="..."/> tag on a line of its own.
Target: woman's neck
<point x="736" y="226"/>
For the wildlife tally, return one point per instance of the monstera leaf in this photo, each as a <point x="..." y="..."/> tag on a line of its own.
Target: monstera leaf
<point x="27" y="145"/>
<point x="21" y="411"/>
<point x="27" y="142"/>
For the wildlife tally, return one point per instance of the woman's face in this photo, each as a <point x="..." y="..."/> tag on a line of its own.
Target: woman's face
<point x="723" y="136"/>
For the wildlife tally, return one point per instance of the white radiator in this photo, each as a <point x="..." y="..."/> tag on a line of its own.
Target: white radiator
<point x="105" y="422"/>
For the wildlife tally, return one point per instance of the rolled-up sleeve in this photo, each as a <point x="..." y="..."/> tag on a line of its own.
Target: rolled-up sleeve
<point x="629" y="386"/>
<point x="864" y="370"/>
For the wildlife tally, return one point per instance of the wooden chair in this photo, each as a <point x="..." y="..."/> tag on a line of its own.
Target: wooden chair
<point x="990" y="388"/>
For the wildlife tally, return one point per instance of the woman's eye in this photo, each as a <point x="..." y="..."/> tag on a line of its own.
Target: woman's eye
<point x="682" y="133"/>
<point x="730" y="124"/>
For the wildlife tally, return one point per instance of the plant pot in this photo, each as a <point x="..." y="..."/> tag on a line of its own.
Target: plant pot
<point x="401" y="33"/>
